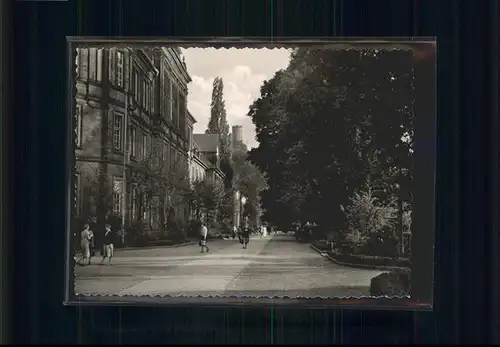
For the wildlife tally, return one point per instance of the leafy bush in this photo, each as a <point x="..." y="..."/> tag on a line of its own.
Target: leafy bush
<point x="136" y="235"/>
<point x="176" y="230"/>
<point x="394" y="283"/>
<point x="368" y="218"/>
<point x="193" y="228"/>
<point x="407" y="220"/>
<point x="383" y="244"/>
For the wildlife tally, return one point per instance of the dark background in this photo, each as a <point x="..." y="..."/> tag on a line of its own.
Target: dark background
<point x="466" y="305"/>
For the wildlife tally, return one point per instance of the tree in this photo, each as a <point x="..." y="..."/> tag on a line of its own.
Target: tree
<point x="162" y="187"/>
<point x="367" y="215"/>
<point x="206" y="200"/>
<point x="326" y="122"/>
<point x="249" y="181"/>
<point x="216" y="107"/>
<point x="218" y="125"/>
<point x="218" y="117"/>
<point x="92" y="194"/>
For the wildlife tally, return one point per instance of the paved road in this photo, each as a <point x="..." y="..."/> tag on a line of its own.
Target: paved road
<point x="275" y="266"/>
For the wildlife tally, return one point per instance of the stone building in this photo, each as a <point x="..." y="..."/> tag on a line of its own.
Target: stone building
<point x="130" y="107"/>
<point x="209" y="147"/>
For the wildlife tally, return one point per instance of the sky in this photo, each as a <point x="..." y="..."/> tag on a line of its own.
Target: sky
<point x="242" y="70"/>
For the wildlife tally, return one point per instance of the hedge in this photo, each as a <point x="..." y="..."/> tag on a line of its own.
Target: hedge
<point x="370" y="260"/>
<point x="393" y="283"/>
<point x="322" y="245"/>
<point x="160" y="243"/>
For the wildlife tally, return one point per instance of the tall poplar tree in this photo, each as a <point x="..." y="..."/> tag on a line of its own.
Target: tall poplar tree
<point x="216" y="107"/>
<point x="218" y="125"/>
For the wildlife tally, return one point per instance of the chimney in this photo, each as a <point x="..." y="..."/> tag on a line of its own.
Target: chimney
<point x="237" y="134"/>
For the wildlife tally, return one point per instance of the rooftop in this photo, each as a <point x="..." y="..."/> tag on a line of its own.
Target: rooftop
<point x="207" y="142"/>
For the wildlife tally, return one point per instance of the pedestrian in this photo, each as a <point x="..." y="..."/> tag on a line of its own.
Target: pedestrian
<point x="203" y="238"/>
<point x="240" y="235"/>
<point x="85" y="244"/>
<point x="246" y="237"/>
<point x="91" y="245"/>
<point x="108" y="247"/>
<point x="234" y="231"/>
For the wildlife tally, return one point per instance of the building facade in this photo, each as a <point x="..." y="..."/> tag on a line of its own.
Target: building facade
<point x="130" y="107"/>
<point x="199" y="165"/>
<point x="208" y="146"/>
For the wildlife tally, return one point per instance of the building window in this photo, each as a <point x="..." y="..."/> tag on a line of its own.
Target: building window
<point x="77" y="62"/>
<point x="175" y="107"/>
<point x="167" y="96"/>
<point x="117" y="131"/>
<point x="190" y="137"/>
<point x="136" y="85"/>
<point x="182" y="114"/>
<point x="117" y="195"/>
<point x="144" y="146"/>
<point x="144" y="206"/>
<point x="89" y="64"/>
<point x="92" y="64"/>
<point x="164" y="156"/>
<point x="99" y="64"/>
<point x="134" y="201"/>
<point x="144" y="94"/>
<point x="151" y="97"/>
<point x="83" y="57"/>
<point x="155" y="215"/>
<point x="172" y="157"/>
<point x="119" y="68"/>
<point x="146" y="101"/>
<point x="78" y="194"/>
<point x="79" y="125"/>
<point x="132" y="141"/>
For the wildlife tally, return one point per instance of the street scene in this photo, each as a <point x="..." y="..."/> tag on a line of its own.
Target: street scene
<point x="203" y="171"/>
<point x="274" y="266"/>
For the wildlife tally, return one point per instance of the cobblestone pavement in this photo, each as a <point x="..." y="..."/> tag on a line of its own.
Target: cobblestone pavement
<point x="274" y="266"/>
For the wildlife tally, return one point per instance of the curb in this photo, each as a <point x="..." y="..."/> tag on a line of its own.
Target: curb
<point x="360" y="266"/>
<point x="147" y="247"/>
<point x="152" y="247"/>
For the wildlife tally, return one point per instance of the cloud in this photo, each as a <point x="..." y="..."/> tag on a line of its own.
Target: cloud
<point x="243" y="72"/>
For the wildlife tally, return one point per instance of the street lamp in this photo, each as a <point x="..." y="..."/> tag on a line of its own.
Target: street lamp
<point x="243" y="202"/>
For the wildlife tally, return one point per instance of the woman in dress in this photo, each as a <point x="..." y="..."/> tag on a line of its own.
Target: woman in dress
<point x="91" y="245"/>
<point x="85" y="237"/>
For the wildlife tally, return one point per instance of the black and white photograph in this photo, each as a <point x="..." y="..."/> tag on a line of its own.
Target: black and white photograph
<point x="244" y="172"/>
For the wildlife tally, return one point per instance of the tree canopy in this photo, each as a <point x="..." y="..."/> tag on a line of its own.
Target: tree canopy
<point x="326" y="123"/>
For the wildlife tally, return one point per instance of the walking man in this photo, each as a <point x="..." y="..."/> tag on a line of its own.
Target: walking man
<point x="203" y="238"/>
<point x="246" y="237"/>
<point x="108" y="244"/>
